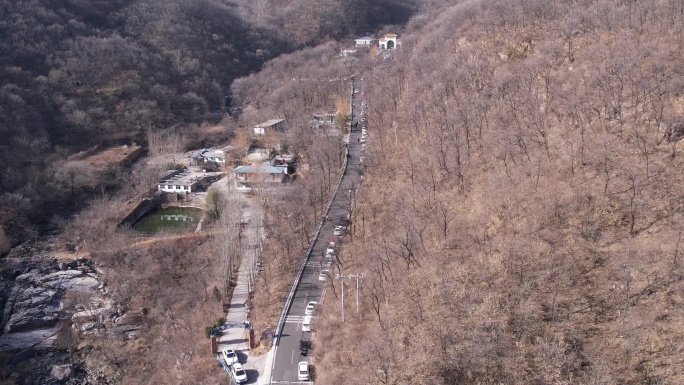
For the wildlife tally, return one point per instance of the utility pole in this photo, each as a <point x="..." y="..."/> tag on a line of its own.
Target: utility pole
<point x="351" y="276"/>
<point x="394" y="127"/>
<point x="342" y="301"/>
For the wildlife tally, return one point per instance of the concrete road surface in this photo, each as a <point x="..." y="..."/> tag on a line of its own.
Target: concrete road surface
<point x="311" y="287"/>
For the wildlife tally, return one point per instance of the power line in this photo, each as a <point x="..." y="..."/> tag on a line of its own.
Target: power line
<point x="351" y="276"/>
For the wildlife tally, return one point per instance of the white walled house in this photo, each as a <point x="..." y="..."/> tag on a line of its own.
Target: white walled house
<point x="347" y="52"/>
<point x="269" y="125"/>
<point x="177" y="182"/>
<point x="364" y="41"/>
<point x="218" y="156"/>
<point x="186" y="181"/>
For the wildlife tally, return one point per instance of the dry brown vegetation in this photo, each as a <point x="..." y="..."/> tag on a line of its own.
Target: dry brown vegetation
<point x="165" y="288"/>
<point x="294" y="87"/>
<point x="521" y="223"/>
<point x="520" y="219"/>
<point x="174" y="286"/>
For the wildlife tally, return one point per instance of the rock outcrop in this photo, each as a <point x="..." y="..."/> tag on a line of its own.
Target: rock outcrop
<point x="37" y="298"/>
<point x="62" y="372"/>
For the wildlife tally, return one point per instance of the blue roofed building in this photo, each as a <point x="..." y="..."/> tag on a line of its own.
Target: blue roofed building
<point x="262" y="175"/>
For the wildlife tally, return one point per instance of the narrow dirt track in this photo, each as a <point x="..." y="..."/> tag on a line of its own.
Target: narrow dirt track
<point x="146" y="242"/>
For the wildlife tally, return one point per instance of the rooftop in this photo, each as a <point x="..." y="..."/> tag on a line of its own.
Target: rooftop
<point x="271" y="122"/>
<point x="264" y="168"/>
<point x="214" y="153"/>
<point x="186" y="177"/>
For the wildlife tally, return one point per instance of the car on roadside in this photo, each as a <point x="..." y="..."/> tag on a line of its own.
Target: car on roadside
<point x="310" y="307"/>
<point x="230" y="357"/>
<point x="331" y="248"/>
<point x="328" y="257"/>
<point x="323" y="276"/>
<point x="239" y="374"/>
<point x="338" y="230"/>
<point x="303" y="371"/>
<point x="306" y="323"/>
<point x="304" y="346"/>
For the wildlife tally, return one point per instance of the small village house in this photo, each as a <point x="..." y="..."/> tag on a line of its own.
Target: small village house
<point x="273" y="125"/>
<point x="325" y="117"/>
<point x="262" y="175"/>
<point x="186" y="181"/>
<point x="217" y="156"/>
<point x="364" y="42"/>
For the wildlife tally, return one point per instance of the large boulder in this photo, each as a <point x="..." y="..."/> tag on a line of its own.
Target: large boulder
<point x="62" y="372"/>
<point x="32" y="308"/>
<point x="69" y="280"/>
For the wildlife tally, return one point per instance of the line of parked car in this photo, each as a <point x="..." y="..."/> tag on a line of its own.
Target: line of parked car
<point x="305" y="343"/>
<point x="236" y="369"/>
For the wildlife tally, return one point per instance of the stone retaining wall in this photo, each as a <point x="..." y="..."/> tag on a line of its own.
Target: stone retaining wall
<point x="141" y="210"/>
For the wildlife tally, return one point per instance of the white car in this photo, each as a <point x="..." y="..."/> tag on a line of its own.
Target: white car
<point x="306" y="323"/>
<point x="338" y="230"/>
<point x="230" y="356"/>
<point x="239" y="373"/>
<point x="331" y="248"/>
<point x="310" y="308"/>
<point x="323" y="276"/>
<point x="303" y="371"/>
<point x="328" y="257"/>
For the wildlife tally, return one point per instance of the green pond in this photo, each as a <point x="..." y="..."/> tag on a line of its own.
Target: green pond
<point x="169" y="219"/>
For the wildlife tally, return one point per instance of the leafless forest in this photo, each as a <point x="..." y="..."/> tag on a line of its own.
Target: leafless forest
<point x="520" y="220"/>
<point x="520" y="216"/>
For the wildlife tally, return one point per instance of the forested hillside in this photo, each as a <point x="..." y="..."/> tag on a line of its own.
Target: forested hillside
<point x="77" y="73"/>
<point x="520" y="218"/>
<point x="77" y="77"/>
<point x="308" y="22"/>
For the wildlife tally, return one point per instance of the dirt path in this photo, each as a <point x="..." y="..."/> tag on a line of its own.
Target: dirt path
<point x="63" y="255"/>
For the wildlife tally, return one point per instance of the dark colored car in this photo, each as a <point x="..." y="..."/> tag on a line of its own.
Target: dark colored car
<point x="304" y="346"/>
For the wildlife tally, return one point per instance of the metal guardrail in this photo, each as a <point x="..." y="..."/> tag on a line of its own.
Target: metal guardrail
<point x="307" y="253"/>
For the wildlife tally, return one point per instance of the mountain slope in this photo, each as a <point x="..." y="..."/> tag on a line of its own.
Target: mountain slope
<point x="520" y="218"/>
